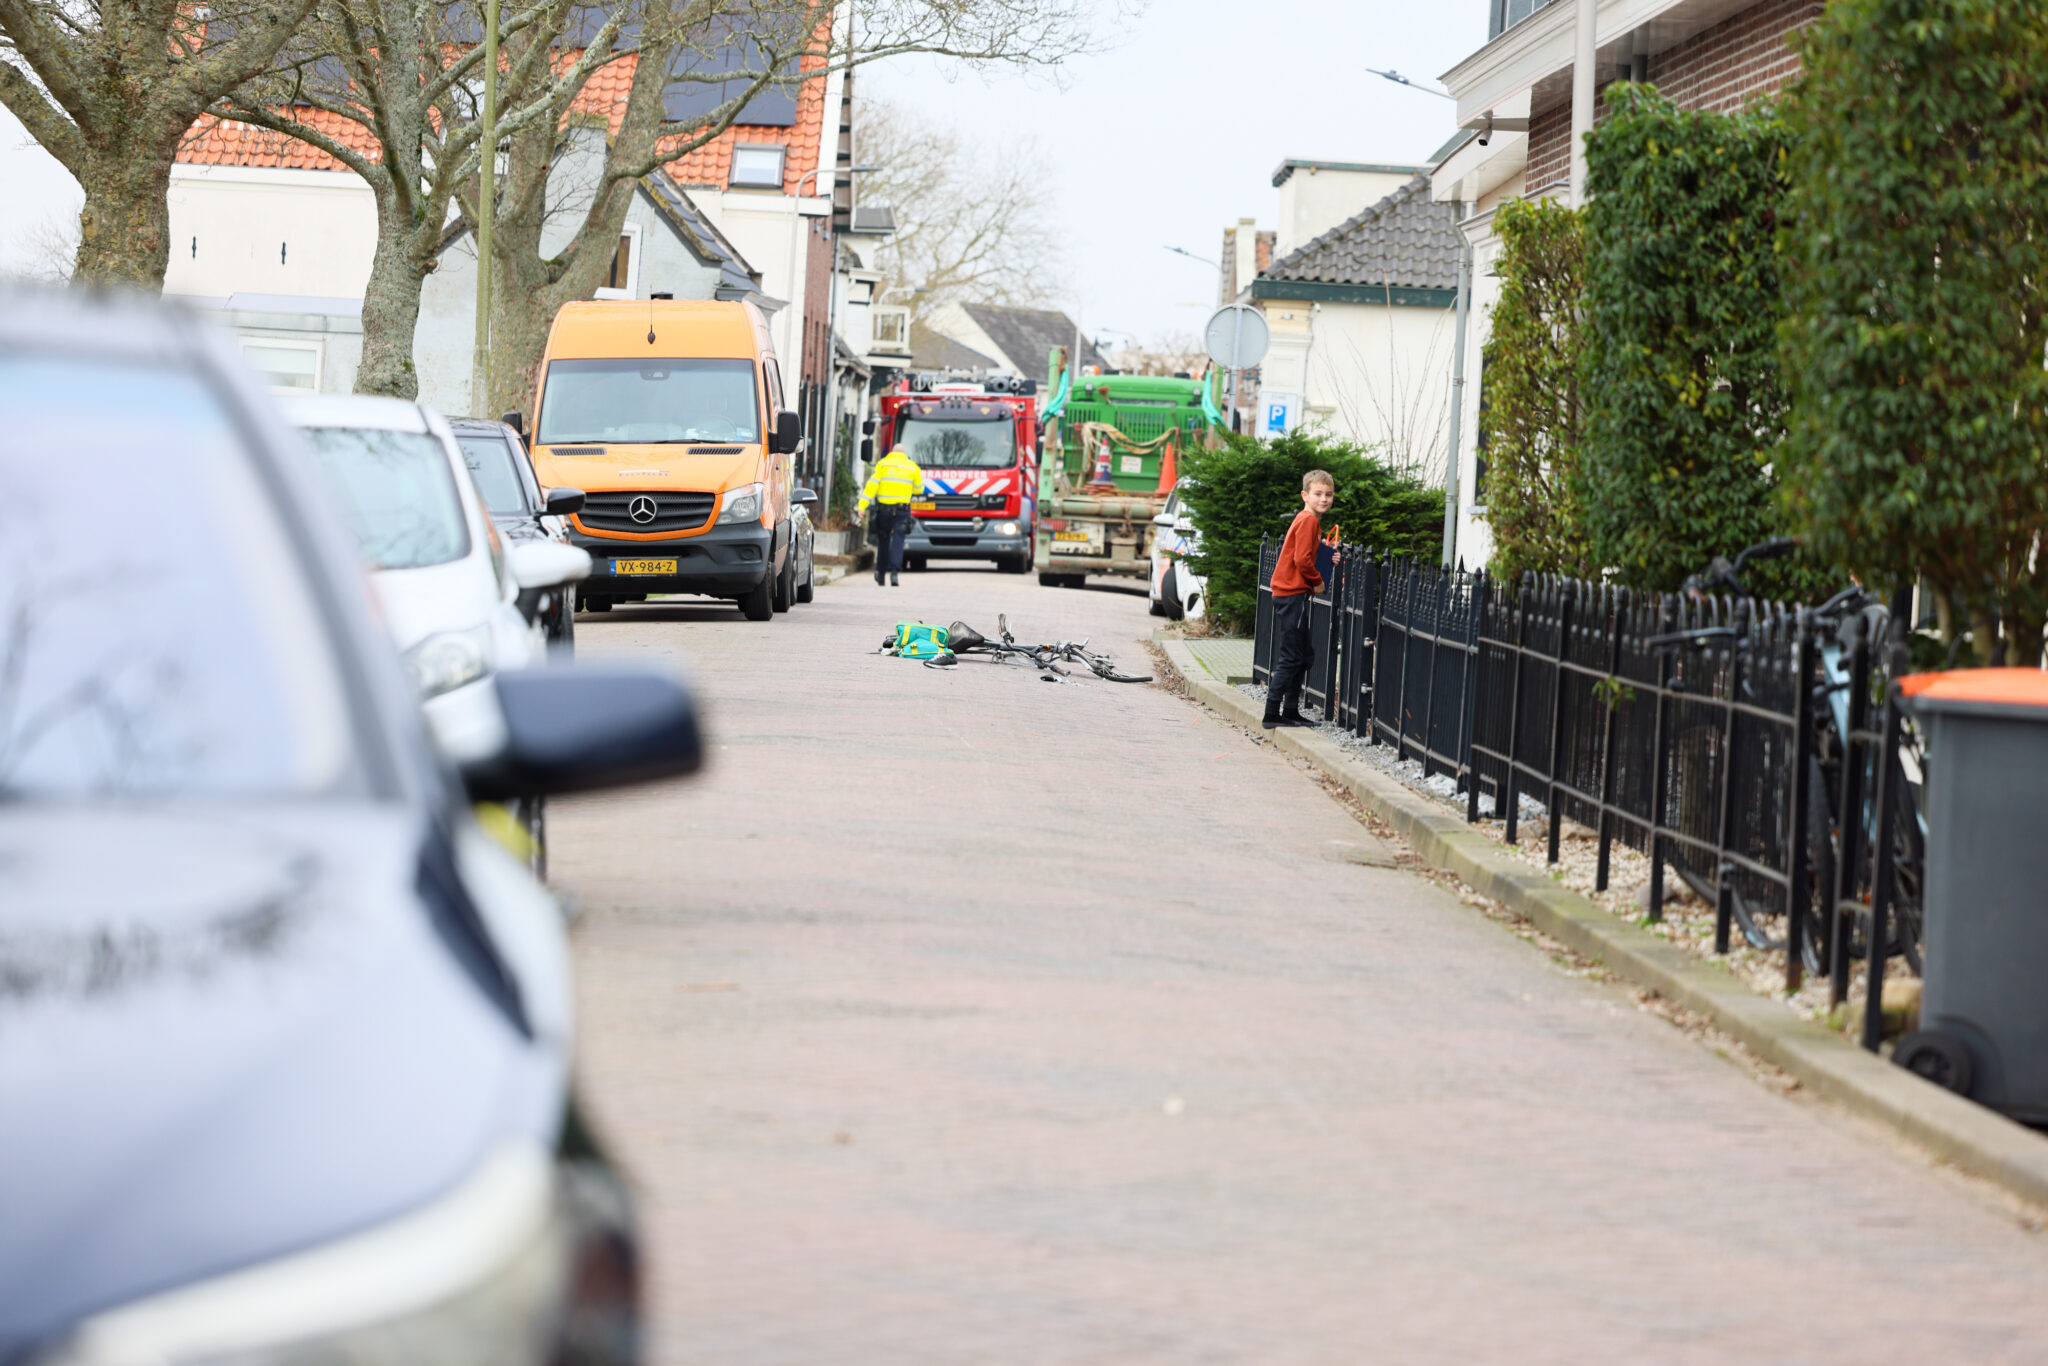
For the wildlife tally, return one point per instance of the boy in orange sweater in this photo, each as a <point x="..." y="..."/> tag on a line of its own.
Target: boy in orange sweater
<point x="1295" y="581"/>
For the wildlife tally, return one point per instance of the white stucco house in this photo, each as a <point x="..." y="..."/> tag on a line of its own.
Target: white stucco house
<point x="1361" y="309"/>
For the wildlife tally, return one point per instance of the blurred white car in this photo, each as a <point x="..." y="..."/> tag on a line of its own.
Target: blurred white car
<point x="1177" y="590"/>
<point x="451" y="588"/>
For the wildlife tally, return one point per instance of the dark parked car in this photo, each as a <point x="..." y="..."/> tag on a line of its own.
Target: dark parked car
<point x="522" y="510"/>
<point x="803" y="544"/>
<point x="285" y="1037"/>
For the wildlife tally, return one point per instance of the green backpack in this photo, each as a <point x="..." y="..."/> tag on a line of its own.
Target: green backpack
<point x="915" y="640"/>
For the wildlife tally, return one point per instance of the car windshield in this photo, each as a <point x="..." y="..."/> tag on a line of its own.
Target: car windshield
<point x="634" y="401"/>
<point x="940" y="445"/>
<point x="491" y="462"/>
<point x="157" y="634"/>
<point x="397" y="494"/>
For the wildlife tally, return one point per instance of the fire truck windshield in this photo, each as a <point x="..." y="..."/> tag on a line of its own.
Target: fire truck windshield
<point x="939" y="444"/>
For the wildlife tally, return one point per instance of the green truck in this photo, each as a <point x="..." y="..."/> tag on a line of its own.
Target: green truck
<point x="1112" y="446"/>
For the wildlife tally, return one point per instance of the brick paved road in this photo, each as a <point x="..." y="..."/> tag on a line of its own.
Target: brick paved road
<point x="963" y="1018"/>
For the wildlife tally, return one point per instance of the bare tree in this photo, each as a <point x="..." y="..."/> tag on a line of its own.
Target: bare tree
<point x="392" y="90"/>
<point x="110" y="88"/>
<point x="1172" y="353"/>
<point x="972" y="220"/>
<point x="744" y="47"/>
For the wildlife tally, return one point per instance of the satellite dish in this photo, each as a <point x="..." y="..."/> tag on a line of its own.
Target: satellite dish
<point x="1236" y="337"/>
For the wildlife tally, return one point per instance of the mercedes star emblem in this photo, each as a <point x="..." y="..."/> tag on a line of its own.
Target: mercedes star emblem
<point x="642" y="509"/>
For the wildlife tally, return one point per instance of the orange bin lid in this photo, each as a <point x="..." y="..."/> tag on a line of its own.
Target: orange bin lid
<point x="2005" y="687"/>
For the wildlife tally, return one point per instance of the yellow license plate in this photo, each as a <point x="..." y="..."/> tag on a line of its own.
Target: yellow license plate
<point x="643" y="566"/>
<point x="1072" y="536"/>
<point x="924" y="507"/>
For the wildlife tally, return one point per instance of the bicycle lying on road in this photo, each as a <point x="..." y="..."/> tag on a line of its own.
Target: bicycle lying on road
<point x="963" y="639"/>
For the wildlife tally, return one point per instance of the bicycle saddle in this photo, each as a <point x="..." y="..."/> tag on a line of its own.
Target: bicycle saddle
<point x="960" y="636"/>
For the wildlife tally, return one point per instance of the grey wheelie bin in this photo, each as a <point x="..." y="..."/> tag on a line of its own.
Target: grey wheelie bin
<point x="1984" y="1009"/>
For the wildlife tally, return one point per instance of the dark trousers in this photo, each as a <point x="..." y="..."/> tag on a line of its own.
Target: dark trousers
<point x="1292" y="652"/>
<point x="892" y="528"/>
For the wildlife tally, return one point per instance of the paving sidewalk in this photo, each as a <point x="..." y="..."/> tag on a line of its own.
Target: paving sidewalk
<point x="1227" y="659"/>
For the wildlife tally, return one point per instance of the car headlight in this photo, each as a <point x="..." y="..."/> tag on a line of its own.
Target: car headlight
<point x="476" y="1278"/>
<point x="445" y="661"/>
<point x="1007" y="529"/>
<point x="742" y="505"/>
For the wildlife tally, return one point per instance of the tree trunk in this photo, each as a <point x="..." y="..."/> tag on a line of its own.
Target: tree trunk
<point x="124" y="230"/>
<point x="391" y="308"/>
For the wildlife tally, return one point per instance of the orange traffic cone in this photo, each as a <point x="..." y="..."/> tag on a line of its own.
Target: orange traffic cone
<point x="1101" y="477"/>
<point x="1168" y="476"/>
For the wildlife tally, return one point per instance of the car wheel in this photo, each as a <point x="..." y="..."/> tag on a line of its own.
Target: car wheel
<point x="1017" y="564"/>
<point x="563" y="641"/>
<point x="914" y="563"/>
<point x="533" y="818"/>
<point x="808" y="589"/>
<point x="783" y="594"/>
<point x="759" y="602"/>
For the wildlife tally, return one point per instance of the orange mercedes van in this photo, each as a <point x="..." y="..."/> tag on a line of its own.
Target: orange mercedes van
<point x="668" y="415"/>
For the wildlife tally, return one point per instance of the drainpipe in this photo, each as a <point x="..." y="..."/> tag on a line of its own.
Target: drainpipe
<point x="1457" y="389"/>
<point x="1583" y="80"/>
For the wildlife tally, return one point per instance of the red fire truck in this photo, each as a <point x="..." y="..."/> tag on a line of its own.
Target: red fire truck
<point x="976" y="439"/>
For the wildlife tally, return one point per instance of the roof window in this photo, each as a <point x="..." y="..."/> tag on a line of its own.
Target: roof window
<point x="756" y="168"/>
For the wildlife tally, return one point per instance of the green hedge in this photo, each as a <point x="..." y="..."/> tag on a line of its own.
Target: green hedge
<point x="1685" y="407"/>
<point x="1532" y="428"/>
<point x="1917" y="239"/>
<point x="1246" y="489"/>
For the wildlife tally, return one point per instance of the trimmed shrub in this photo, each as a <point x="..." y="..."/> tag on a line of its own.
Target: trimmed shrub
<point x="1246" y="489"/>
<point x="1532" y="427"/>
<point x="1916" y="233"/>
<point x="1684" y="404"/>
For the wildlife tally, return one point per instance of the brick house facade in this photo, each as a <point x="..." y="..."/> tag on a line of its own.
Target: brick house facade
<point x="1722" y="69"/>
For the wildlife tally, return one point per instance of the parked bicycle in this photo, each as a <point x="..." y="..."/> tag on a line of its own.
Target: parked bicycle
<point x="1861" y="644"/>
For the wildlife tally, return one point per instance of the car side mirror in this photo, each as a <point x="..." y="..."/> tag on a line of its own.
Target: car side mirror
<point x="804" y="496"/>
<point x="1162" y="520"/>
<point x="546" y="564"/>
<point x="789" y="430"/>
<point x="515" y="422"/>
<point x="562" y="502"/>
<point x="867" y="449"/>
<point x="580" y="728"/>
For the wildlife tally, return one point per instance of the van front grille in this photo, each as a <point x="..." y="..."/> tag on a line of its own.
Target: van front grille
<point x="671" y="509"/>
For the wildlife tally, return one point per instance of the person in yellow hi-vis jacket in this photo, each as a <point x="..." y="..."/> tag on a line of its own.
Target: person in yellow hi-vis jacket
<point x="896" y="480"/>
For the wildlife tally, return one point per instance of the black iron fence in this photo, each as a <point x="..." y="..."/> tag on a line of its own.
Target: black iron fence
<point x="1682" y="727"/>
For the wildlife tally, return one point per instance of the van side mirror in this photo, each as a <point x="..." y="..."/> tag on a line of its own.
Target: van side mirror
<point x="789" y="430"/>
<point x="802" y="496"/>
<point x="562" y="502"/>
<point x="515" y="422"/>
<point x="579" y="728"/>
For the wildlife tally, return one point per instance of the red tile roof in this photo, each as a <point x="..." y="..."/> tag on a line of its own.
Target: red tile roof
<point x="226" y="142"/>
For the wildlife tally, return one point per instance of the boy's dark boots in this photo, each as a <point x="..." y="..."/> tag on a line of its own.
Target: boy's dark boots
<point x="1290" y="712"/>
<point x="1272" y="716"/>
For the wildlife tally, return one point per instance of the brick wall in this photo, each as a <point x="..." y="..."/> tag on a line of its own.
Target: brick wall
<point x="1723" y="68"/>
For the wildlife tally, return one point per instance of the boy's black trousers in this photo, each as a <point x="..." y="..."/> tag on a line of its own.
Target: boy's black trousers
<point x="1292" y="652"/>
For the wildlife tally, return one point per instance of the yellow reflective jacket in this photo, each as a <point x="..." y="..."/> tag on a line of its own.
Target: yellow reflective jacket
<point x="896" y="480"/>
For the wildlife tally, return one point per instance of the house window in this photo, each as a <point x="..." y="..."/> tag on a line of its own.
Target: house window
<point x="756" y="168"/>
<point x="621" y="271"/>
<point x="892" y="326"/>
<point x="287" y="367"/>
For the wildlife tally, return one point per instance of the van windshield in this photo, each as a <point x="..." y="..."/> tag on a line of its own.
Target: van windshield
<point x="941" y="445"/>
<point x="636" y="401"/>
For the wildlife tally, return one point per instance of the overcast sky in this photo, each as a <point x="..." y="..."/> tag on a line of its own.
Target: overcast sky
<point x="1174" y="134"/>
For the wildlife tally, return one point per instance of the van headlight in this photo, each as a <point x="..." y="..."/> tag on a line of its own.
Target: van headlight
<point x="742" y="505"/>
<point x="446" y="660"/>
<point x="478" y="1277"/>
